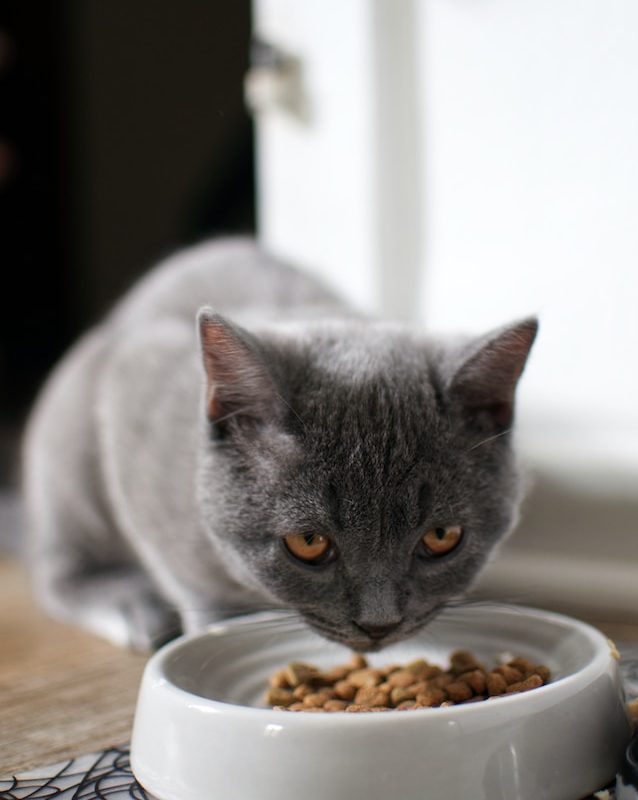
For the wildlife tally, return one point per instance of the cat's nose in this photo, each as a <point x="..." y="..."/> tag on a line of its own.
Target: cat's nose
<point x="377" y="631"/>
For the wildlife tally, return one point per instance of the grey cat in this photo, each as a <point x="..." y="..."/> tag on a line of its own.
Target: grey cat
<point x="302" y="456"/>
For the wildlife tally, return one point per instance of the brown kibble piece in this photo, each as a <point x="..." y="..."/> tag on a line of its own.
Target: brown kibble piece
<point x="279" y="680"/>
<point x="422" y="670"/>
<point x="358" y="661"/>
<point x="345" y="690"/>
<point x="431" y="697"/>
<point x="299" y="692"/>
<point x="406" y="705"/>
<point x="431" y="672"/>
<point x="463" y="661"/>
<point x="317" y="699"/>
<point x="441" y="681"/>
<point x="419" y="686"/>
<point x="399" y="694"/>
<point x="297" y="672"/>
<point x="542" y="671"/>
<point x="524" y="665"/>
<point x="365" y="677"/>
<point x="533" y="682"/>
<point x="418" y="666"/>
<point x="370" y="696"/>
<point x="402" y="678"/>
<point x="279" y="697"/>
<point x="495" y="684"/>
<point x="475" y="679"/>
<point x="335" y="705"/>
<point x="297" y="707"/>
<point x="335" y="674"/>
<point x="511" y="674"/>
<point x="458" y="691"/>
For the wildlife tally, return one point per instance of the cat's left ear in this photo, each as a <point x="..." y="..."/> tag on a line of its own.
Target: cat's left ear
<point x="238" y="382"/>
<point x="485" y="383"/>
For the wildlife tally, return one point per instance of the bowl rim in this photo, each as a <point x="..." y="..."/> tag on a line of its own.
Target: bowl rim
<point x="155" y="674"/>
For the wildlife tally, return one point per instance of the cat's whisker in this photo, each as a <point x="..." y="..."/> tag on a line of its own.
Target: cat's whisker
<point x="456" y="608"/>
<point x="279" y="618"/>
<point x="237" y="412"/>
<point x="489" y="439"/>
<point x="286" y="403"/>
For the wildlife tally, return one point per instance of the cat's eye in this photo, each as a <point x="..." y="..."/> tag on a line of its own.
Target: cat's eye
<point x="441" y="541"/>
<point x="311" y="548"/>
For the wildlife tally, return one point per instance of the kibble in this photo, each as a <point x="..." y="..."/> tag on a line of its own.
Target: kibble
<point x="318" y="699"/>
<point x="509" y="673"/>
<point x="370" y="696"/>
<point x="533" y="682"/>
<point x="358" y="687"/>
<point x="459" y="691"/>
<point x="335" y="705"/>
<point x="496" y="684"/>
<point x="365" y="677"/>
<point x="345" y="690"/>
<point x="280" y="697"/>
<point x="297" y="672"/>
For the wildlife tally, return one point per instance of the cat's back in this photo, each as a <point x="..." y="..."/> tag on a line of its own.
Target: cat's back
<point x="234" y="276"/>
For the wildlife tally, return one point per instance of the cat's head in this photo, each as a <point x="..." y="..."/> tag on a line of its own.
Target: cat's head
<point x="356" y="472"/>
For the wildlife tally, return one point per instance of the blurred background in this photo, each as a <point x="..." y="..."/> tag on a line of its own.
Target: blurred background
<point x="451" y="163"/>
<point x="123" y="135"/>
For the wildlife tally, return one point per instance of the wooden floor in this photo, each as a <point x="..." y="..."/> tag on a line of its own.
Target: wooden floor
<point x="62" y="692"/>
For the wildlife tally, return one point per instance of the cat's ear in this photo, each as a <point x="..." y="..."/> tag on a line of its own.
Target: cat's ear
<point x="238" y="383"/>
<point x="485" y="382"/>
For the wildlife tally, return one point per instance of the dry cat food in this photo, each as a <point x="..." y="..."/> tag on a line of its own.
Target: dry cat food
<point x="356" y="686"/>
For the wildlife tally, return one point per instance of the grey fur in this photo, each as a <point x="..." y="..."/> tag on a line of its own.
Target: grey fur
<point x="158" y="491"/>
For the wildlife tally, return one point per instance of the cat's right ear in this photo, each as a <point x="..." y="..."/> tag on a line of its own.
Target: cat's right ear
<point x="238" y="383"/>
<point x="485" y="382"/>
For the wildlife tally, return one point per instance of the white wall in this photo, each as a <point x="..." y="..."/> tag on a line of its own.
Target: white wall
<point x="530" y="171"/>
<point x="315" y="185"/>
<point x="338" y="181"/>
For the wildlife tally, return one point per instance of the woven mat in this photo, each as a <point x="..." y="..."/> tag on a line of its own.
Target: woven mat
<point x="91" y="777"/>
<point x="101" y="775"/>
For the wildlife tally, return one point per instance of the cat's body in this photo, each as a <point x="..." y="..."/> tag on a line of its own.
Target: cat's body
<point x="158" y="491"/>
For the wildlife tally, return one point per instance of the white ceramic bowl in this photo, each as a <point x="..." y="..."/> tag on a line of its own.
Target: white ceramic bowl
<point x="202" y="732"/>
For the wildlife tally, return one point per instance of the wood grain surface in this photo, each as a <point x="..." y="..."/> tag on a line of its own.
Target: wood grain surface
<point x="62" y="692"/>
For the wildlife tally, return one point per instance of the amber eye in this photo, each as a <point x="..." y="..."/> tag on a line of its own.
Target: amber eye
<point x="440" y="541"/>
<point x="309" y="547"/>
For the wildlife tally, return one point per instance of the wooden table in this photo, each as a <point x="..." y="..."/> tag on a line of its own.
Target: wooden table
<point x="62" y="692"/>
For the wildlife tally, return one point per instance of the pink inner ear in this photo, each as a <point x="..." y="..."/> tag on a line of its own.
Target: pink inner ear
<point x="227" y="363"/>
<point x="487" y="381"/>
<point x="237" y="380"/>
<point x="222" y="353"/>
